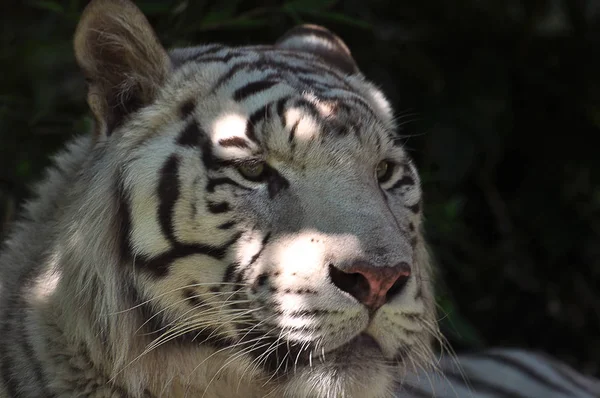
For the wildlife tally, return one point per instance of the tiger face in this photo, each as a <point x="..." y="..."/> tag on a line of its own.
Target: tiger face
<point x="270" y="217"/>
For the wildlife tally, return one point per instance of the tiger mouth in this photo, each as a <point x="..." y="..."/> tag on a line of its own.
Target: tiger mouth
<point x="364" y="340"/>
<point x="288" y="357"/>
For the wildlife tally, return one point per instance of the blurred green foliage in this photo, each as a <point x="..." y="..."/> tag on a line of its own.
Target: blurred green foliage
<point x="500" y="105"/>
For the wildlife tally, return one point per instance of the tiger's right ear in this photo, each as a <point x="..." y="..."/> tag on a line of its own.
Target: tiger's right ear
<point x="122" y="59"/>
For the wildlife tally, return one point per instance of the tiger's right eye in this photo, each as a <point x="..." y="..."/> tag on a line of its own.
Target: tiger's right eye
<point x="253" y="171"/>
<point x="384" y="171"/>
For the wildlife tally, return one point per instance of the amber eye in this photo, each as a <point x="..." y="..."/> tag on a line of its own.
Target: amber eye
<point x="253" y="171"/>
<point x="384" y="170"/>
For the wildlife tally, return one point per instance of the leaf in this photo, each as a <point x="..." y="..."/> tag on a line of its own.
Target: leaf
<point x="221" y="12"/>
<point x="294" y="16"/>
<point x="339" y="18"/>
<point x="593" y="111"/>
<point x="49" y="5"/>
<point x="179" y="8"/>
<point x="305" y="5"/>
<point x="23" y="169"/>
<point x="453" y="208"/>
<point x="248" y="22"/>
<point x="154" y="8"/>
<point x="455" y="325"/>
<point x="74" y="6"/>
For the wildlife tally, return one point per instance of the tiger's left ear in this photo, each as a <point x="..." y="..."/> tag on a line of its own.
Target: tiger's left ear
<point x="320" y="42"/>
<point x="122" y="59"/>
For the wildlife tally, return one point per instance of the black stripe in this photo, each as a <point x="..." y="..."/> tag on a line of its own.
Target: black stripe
<point x="32" y="359"/>
<point x="259" y="114"/>
<point x="221" y="207"/>
<point x="314" y="68"/>
<point x="229" y="74"/>
<point x="275" y="182"/>
<point x="405" y="180"/>
<point x="569" y="376"/>
<point x="311" y="69"/>
<point x="242" y="272"/>
<point x="413" y="242"/>
<point x="523" y="368"/>
<point x="10" y="381"/>
<point x="192" y="297"/>
<point x="309" y="81"/>
<point x="227" y="225"/>
<point x="212" y="49"/>
<point x="214" y="182"/>
<point x="168" y="194"/>
<point x="123" y="221"/>
<point x="308" y="107"/>
<point x="483" y="386"/>
<point x="222" y="58"/>
<point x="292" y="134"/>
<point x="309" y="313"/>
<point x="314" y="64"/>
<point x="419" y="292"/>
<point x="209" y="160"/>
<point x="237" y="142"/>
<point x="190" y="136"/>
<point x="264" y="63"/>
<point x="250" y="133"/>
<point x="256" y="117"/>
<point x="308" y="66"/>
<point x="253" y="89"/>
<point x="194" y="136"/>
<point x="7" y="365"/>
<point x="187" y="108"/>
<point x="280" y="109"/>
<point x="292" y="54"/>
<point x="236" y="273"/>
<point x="414" y="391"/>
<point x="263" y="244"/>
<point x="179" y="58"/>
<point x="159" y="265"/>
<point x="414" y="208"/>
<point x="230" y="272"/>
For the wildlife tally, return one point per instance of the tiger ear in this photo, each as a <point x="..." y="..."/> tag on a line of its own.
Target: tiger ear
<point x="122" y="59"/>
<point x="320" y="42"/>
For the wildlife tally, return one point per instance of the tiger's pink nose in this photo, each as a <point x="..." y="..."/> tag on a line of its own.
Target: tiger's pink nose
<point x="371" y="285"/>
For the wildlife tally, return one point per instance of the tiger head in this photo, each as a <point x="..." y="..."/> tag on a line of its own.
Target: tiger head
<point x="268" y="218"/>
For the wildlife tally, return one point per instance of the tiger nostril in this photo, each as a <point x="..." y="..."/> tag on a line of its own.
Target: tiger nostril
<point x="371" y="285"/>
<point x="400" y="283"/>
<point x="353" y="283"/>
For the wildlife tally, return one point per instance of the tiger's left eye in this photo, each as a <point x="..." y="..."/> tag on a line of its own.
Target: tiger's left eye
<point x="254" y="171"/>
<point x="384" y="171"/>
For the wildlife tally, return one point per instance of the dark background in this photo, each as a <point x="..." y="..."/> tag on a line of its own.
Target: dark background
<point x="500" y="104"/>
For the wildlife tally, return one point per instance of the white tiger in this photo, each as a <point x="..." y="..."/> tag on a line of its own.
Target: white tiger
<point x="242" y="223"/>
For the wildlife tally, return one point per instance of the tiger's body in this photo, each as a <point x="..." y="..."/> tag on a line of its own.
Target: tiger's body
<point x="500" y="373"/>
<point x="242" y="223"/>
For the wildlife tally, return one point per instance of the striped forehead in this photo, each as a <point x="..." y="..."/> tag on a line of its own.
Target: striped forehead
<point x="277" y="101"/>
<point x="285" y="125"/>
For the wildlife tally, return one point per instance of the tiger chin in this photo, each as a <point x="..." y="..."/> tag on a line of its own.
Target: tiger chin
<point x="242" y="222"/>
